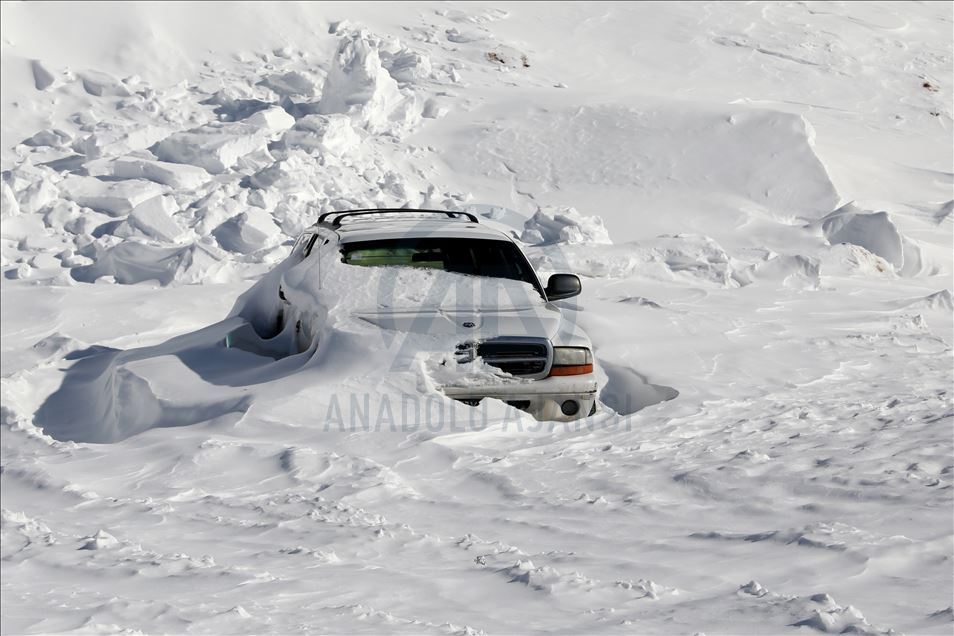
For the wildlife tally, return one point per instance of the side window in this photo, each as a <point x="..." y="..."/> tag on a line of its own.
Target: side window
<point x="310" y="244"/>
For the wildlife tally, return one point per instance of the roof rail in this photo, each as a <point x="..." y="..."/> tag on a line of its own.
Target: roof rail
<point x="338" y="216"/>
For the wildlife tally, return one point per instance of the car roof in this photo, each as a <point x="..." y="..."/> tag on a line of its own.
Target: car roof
<point x="379" y="229"/>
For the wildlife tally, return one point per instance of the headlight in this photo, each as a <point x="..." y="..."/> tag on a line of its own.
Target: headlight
<point x="571" y="361"/>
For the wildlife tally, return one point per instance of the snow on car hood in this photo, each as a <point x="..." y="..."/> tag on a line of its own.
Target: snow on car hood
<point x="476" y="322"/>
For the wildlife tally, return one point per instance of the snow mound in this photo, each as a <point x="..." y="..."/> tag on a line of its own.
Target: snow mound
<point x="153" y="219"/>
<point x="102" y="540"/>
<point x="216" y="147"/>
<point x="564" y="225"/>
<point x="361" y="87"/>
<point x="875" y="232"/>
<point x="101" y="84"/>
<point x="671" y="158"/>
<point x="130" y="262"/>
<point x="112" y="139"/>
<point x="54" y="138"/>
<point x="846" y="259"/>
<point x="290" y="84"/>
<point x="248" y="232"/>
<point x="669" y="257"/>
<point x="157" y="168"/>
<point x="116" y="198"/>
<point x="938" y="300"/>
<point x="103" y="399"/>
<point x="323" y="134"/>
<point x="791" y="270"/>
<point x="175" y="175"/>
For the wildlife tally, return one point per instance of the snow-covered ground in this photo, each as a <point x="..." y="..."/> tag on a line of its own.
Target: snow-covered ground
<point x="758" y="198"/>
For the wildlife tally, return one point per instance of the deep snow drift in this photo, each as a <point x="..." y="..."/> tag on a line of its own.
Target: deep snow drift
<point x="758" y="198"/>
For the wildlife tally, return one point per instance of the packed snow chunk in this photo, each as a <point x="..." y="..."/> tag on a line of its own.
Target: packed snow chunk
<point x="115" y="198"/>
<point x="359" y="86"/>
<point x="407" y="66"/>
<point x="332" y="134"/>
<point x="102" y="84"/>
<point x="273" y="119"/>
<point x="8" y="201"/>
<point x="937" y="300"/>
<point x="153" y="218"/>
<point x="248" y="232"/>
<point x="21" y="227"/>
<point x="178" y="176"/>
<point x="52" y="137"/>
<point x="290" y="84"/>
<point x="217" y="146"/>
<point x="42" y="77"/>
<point x="99" y="541"/>
<point x="564" y="225"/>
<point x="113" y="141"/>
<point x="846" y="259"/>
<point x="794" y="271"/>
<point x="753" y="588"/>
<point x="913" y="264"/>
<point x="694" y="256"/>
<point x="839" y="620"/>
<point x="290" y="175"/>
<point x="873" y="231"/>
<point x="37" y="196"/>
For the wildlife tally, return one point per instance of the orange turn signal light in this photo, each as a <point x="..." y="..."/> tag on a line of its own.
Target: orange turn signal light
<point x="572" y="369"/>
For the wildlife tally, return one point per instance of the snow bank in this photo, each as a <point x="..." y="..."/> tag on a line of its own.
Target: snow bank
<point x="669" y="257"/>
<point x="153" y="219"/>
<point x="359" y="86"/>
<point x="112" y="139"/>
<point x="876" y="233"/>
<point x="104" y="400"/>
<point x="116" y="198"/>
<point x="216" y="147"/>
<point x="132" y="262"/>
<point x="323" y="134"/>
<point x="247" y="232"/>
<point x="177" y="176"/>
<point x="564" y="225"/>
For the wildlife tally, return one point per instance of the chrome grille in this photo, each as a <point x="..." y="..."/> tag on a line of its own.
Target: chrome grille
<point x="525" y="357"/>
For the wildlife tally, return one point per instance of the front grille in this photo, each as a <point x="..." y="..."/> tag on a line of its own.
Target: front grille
<point x="521" y="357"/>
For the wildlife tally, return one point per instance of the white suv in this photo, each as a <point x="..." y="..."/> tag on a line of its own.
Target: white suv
<point x="543" y="361"/>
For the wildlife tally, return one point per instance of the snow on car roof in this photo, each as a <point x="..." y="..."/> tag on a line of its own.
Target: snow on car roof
<point x="369" y="230"/>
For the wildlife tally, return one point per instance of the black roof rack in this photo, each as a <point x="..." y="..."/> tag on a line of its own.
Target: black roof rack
<point x="338" y="216"/>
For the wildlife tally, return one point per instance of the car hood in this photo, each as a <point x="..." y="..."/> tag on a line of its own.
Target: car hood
<point x="542" y="321"/>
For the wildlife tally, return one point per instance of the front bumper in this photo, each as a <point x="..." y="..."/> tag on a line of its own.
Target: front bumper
<point x="543" y="399"/>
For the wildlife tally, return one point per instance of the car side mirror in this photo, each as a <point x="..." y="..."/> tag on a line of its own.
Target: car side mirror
<point x="562" y="286"/>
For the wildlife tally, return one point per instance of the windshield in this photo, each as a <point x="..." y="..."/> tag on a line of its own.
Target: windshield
<point x="477" y="257"/>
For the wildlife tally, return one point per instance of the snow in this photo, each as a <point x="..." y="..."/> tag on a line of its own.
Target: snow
<point x="115" y="198"/>
<point x="216" y="147"/>
<point x="758" y="200"/>
<point x="177" y="176"/>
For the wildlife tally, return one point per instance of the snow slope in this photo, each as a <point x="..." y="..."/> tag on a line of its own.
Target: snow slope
<point x="758" y="198"/>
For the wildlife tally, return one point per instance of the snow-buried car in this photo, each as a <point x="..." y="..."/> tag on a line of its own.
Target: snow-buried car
<point x="445" y="292"/>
